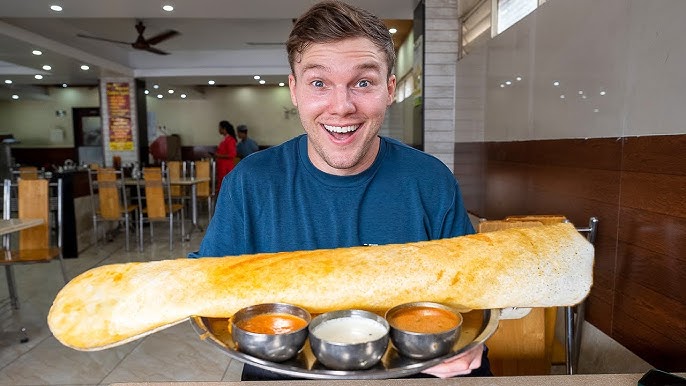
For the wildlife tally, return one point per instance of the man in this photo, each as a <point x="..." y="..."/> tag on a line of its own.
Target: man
<point x="340" y="184"/>
<point x="247" y="145"/>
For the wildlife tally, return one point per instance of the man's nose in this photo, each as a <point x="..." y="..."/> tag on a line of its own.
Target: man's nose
<point x="342" y="102"/>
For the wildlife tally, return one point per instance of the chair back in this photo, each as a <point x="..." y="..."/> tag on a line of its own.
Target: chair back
<point x="34" y="202"/>
<point x="174" y="171"/>
<point x="28" y="172"/>
<point x="109" y="197"/>
<point x="202" y="170"/>
<point x="155" y="193"/>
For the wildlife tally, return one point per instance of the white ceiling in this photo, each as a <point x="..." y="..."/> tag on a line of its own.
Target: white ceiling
<point x="228" y="41"/>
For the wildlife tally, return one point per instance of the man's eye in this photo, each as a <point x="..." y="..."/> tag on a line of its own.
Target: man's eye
<point x="363" y="83"/>
<point x="318" y="83"/>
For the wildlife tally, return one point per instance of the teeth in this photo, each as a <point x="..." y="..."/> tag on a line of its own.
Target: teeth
<point x="344" y="129"/>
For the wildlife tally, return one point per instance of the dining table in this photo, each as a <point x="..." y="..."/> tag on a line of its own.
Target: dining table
<point x="7" y="227"/>
<point x="192" y="182"/>
<point x="540" y="380"/>
<point x="12" y="225"/>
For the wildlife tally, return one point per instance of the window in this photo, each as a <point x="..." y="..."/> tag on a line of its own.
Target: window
<point x="479" y="19"/>
<point x="511" y="11"/>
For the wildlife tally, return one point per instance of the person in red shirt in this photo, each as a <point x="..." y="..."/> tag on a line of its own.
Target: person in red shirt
<point x="226" y="151"/>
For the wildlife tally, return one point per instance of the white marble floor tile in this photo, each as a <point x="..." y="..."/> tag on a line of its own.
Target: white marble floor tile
<point x="51" y="363"/>
<point x="174" y="354"/>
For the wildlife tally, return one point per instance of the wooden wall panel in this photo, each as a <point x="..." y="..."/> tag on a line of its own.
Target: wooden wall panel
<point x="43" y="156"/>
<point x="637" y="188"/>
<point x="657" y="154"/>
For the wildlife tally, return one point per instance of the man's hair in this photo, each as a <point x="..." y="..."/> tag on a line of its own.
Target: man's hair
<point x="332" y="21"/>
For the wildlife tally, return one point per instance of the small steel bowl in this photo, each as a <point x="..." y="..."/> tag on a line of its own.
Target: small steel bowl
<point x="424" y="330"/>
<point x="348" y="339"/>
<point x="271" y="346"/>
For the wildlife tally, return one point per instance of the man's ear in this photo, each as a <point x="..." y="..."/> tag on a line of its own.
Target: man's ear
<point x="291" y="87"/>
<point x="391" y="89"/>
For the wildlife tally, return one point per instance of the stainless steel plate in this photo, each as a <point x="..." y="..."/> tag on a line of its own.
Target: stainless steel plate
<point x="478" y="325"/>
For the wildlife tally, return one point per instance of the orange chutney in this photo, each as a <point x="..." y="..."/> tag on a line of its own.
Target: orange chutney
<point x="272" y="323"/>
<point x="426" y="320"/>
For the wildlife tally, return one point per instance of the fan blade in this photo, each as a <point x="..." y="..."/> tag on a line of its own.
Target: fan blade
<point x="103" y="39"/>
<point x="155" y="51"/>
<point x="162" y="37"/>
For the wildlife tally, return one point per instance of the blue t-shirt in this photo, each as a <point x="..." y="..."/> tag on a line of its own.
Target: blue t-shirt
<point x="277" y="200"/>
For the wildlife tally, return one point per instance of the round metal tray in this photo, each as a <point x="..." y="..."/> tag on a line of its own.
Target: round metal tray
<point x="477" y="326"/>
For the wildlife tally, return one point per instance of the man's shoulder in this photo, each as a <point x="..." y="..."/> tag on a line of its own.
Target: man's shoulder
<point x="403" y="153"/>
<point x="269" y="158"/>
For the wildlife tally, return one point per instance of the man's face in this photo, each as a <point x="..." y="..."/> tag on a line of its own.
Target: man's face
<point x="242" y="134"/>
<point x="342" y="91"/>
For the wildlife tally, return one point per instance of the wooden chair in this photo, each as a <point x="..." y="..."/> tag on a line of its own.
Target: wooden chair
<point x="205" y="190"/>
<point x="177" y="170"/>
<point x="27" y="172"/>
<point x="523" y="346"/>
<point x="112" y="202"/>
<point x="34" y="244"/>
<point x="158" y="204"/>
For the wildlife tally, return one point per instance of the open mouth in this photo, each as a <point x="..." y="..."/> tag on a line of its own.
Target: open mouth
<point x="341" y="133"/>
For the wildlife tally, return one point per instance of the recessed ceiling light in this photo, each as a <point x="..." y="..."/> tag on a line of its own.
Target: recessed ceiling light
<point x="56" y="8"/>
<point x="37" y="52"/>
<point x="256" y="77"/>
<point x="168" y="7"/>
<point x="64" y="85"/>
<point x="170" y="91"/>
<point x="603" y="93"/>
<point x="508" y="82"/>
<point x="47" y="68"/>
<point x="183" y="96"/>
<point x="392" y="30"/>
<point x="8" y="81"/>
<point x="15" y="96"/>
<point x="155" y="86"/>
<point x="556" y="83"/>
<point x="562" y="96"/>
<point x="85" y="67"/>
<point x="160" y="96"/>
<point x="210" y="82"/>
<point x="39" y="76"/>
<point x="518" y="78"/>
<point x="146" y="92"/>
<point x="262" y="81"/>
<point x="282" y="84"/>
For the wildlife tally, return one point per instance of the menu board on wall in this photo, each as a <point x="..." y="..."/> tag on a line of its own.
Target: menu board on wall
<point x="119" y="109"/>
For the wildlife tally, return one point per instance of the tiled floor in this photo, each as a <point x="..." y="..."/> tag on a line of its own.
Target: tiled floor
<point x="174" y="354"/>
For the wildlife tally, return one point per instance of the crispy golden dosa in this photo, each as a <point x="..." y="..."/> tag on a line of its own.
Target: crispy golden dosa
<point x="543" y="266"/>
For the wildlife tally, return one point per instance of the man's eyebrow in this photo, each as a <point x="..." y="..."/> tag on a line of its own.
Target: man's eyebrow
<point x="315" y="66"/>
<point x="368" y="66"/>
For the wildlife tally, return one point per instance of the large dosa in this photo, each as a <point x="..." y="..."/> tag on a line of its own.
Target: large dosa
<point x="110" y="305"/>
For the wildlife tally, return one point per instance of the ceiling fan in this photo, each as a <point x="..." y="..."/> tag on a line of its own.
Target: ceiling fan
<point x="141" y="43"/>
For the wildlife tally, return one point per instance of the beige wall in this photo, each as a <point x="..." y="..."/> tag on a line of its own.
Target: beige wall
<point x="32" y="121"/>
<point x="195" y="120"/>
<point x="262" y="109"/>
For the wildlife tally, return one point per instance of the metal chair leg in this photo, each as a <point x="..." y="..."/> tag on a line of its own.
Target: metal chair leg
<point x="12" y="287"/>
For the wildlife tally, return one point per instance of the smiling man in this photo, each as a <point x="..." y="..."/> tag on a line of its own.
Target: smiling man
<point x="340" y="184"/>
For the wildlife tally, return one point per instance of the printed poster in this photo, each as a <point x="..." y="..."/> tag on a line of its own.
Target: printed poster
<point x="119" y="111"/>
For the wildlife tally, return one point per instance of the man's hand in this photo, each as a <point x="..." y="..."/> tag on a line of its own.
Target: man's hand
<point x="458" y="365"/>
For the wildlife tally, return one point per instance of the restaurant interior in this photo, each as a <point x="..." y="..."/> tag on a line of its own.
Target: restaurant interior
<point x="539" y="107"/>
